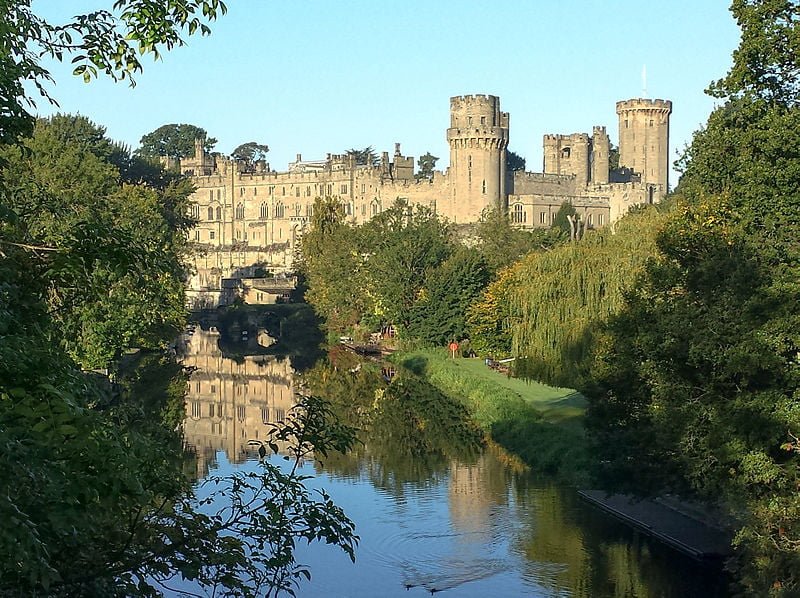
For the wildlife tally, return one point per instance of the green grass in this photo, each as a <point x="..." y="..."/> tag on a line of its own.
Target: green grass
<point x="541" y="424"/>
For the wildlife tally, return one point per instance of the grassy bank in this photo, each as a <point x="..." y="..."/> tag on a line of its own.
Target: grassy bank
<point x="541" y="424"/>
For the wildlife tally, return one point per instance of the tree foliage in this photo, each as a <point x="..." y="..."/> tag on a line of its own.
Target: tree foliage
<point x="426" y="164"/>
<point x="363" y="157"/>
<point x="503" y="244"/>
<point x="439" y="314"/>
<point x="110" y="42"/>
<point x="514" y="162"/>
<point x="174" y="141"/>
<point x="697" y="387"/>
<point x="250" y="151"/>
<point x="563" y="295"/>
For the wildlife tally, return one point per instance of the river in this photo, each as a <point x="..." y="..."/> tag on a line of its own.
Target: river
<point x="435" y="511"/>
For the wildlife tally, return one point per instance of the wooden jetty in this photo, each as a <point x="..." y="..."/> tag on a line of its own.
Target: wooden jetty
<point x="688" y="534"/>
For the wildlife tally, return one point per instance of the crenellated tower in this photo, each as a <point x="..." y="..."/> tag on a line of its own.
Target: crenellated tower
<point x="567" y="154"/>
<point x="644" y="139"/>
<point x="478" y="138"/>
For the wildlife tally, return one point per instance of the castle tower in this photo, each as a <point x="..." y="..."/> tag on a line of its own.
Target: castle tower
<point x="478" y="137"/>
<point x="567" y="154"/>
<point x="600" y="150"/>
<point x="644" y="139"/>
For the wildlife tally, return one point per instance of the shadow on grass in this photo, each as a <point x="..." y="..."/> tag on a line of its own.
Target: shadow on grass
<point x="550" y="440"/>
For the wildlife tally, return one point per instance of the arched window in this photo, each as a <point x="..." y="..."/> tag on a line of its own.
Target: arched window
<point x="210" y="213"/>
<point x="518" y="215"/>
<point x="264" y="211"/>
<point x="219" y="213"/>
<point x="279" y="210"/>
<point x="240" y="211"/>
<point x="565" y="152"/>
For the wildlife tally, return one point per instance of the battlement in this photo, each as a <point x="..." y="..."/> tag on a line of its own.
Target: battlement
<point x="478" y="98"/>
<point x="598" y="130"/>
<point x="644" y="104"/>
<point x="552" y="137"/>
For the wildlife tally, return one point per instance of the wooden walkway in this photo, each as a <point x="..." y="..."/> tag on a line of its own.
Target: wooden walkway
<point x="687" y="534"/>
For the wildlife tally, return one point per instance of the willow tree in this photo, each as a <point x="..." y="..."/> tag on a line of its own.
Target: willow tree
<point x="564" y="294"/>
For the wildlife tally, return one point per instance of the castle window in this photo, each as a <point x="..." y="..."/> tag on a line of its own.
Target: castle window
<point x="283" y="191"/>
<point x="210" y="195"/>
<point x="240" y="211"/>
<point x="483" y="120"/>
<point x="469" y="161"/>
<point x="241" y="191"/>
<point x="343" y="189"/>
<point x="297" y="209"/>
<point x="651" y="122"/>
<point x="219" y="213"/>
<point x="308" y="191"/>
<point x="219" y="194"/>
<point x="196" y="234"/>
<point x="484" y="186"/>
<point x="255" y="190"/>
<point x="469" y="121"/>
<point x="348" y="209"/>
<point x="363" y="188"/>
<point x="265" y="415"/>
<point x="211" y="213"/>
<point x="297" y="192"/>
<point x="542" y="217"/>
<point x="626" y="123"/>
<point x="240" y="412"/>
<point x="374" y="208"/>
<point x="264" y="211"/>
<point x="330" y="189"/>
<point x="601" y="219"/>
<point x="565" y="152"/>
<point x="590" y="219"/>
<point x="194" y="211"/>
<point x="279" y="210"/>
<point x="211" y="411"/>
<point x="211" y="235"/>
<point x="272" y="189"/>
<point x="518" y="215"/>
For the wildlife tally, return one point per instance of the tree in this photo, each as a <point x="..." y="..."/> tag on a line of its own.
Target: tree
<point x="93" y="487"/>
<point x="697" y="381"/>
<point x="330" y="260"/>
<point x="174" y="141"/>
<point x="250" y="152"/>
<point x="514" y="162"/>
<point x="563" y="296"/>
<point x="613" y="157"/>
<point x="503" y="244"/>
<point x="439" y="314"/>
<point x="363" y="157"/>
<point x="104" y="41"/>
<point x="405" y="244"/>
<point x="426" y="164"/>
<point x="489" y="317"/>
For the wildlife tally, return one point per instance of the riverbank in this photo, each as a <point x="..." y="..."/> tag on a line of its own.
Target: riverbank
<point x="540" y="424"/>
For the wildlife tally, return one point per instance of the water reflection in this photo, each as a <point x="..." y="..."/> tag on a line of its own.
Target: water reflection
<point x="230" y="402"/>
<point x="435" y="510"/>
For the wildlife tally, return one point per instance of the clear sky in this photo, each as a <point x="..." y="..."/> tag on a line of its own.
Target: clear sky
<point x="319" y="76"/>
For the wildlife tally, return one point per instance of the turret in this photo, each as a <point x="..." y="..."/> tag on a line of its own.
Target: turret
<point x="644" y="139"/>
<point x="567" y="154"/>
<point x="478" y="138"/>
<point x="601" y="147"/>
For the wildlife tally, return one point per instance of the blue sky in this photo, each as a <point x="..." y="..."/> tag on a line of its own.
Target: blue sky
<point x="318" y="76"/>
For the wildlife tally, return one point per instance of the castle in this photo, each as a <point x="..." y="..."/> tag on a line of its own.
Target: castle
<point x="250" y="217"/>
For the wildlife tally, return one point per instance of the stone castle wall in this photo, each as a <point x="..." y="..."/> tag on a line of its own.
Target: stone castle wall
<point x="251" y="218"/>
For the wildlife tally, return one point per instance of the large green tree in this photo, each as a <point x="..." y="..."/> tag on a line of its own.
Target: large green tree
<point x="439" y="314"/>
<point x="174" y="141"/>
<point x="94" y="499"/>
<point x="699" y="373"/>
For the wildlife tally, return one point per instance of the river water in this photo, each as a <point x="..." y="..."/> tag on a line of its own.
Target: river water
<point x="435" y="513"/>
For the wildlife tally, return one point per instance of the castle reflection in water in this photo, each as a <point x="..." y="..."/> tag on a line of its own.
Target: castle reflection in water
<point x="231" y="402"/>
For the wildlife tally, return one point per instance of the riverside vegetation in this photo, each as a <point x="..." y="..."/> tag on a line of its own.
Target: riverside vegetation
<point x="95" y="499"/>
<point x="678" y="323"/>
